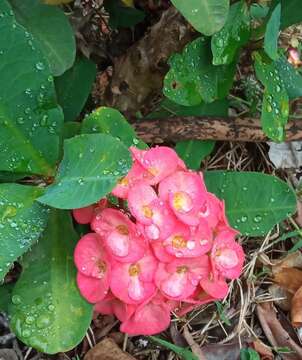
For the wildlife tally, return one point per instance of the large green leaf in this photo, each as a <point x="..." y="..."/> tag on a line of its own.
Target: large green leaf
<point x="272" y="33"/>
<point x="30" y="121"/>
<point x="275" y="106"/>
<point x="194" y="151"/>
<point x="49" y="25"/>
<point x="22" y="220"/>
<point x="255" y="202"/>
<point x="47" y="312"/>
<point x="235" y="33"/>
<point x="206" y="16"/>
<point x="74" y="86"/>
<point x="292" y="79"/>
<point x="7" y="177"/>
<point x="110" y="121"/>
<point x="192" y="78"/>
<point x="5" y="296"/>
<point x="290" y="13"/>
<point x="91" y="166"/>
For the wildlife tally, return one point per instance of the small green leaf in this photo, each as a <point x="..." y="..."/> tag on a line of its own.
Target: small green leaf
<point x="206" y="16"/>
<point x="183" y="353"/>
<point x="49" y="25"/>
<point x="272" y="33"/>
<point x="110" y="121"/>
<point x="249" y="354"/>
<point x="275" y="105"/>
<point x="255" y="202"/>
<point x="290" y="13"/>
<point x="47" y="311"/>
<point x="221" y="311"/>
<point x="30" y="120"/>
<point x="91" y="166"/>
<point x="193" y="78"/>
<point x="22" y="220"/>
<point x="235" y="33"/>
<point x="74" y="86"/>
<point x="121" y="15"/>
<point x="193" y="152"/>
<point x="5" y="296"/>
<point x="292" y="79"/>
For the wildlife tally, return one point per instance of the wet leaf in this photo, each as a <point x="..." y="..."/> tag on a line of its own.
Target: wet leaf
<point x="252" y="212"/>
<point x="194" y="151"/>
<point x="22" y="220"/>
<point x="275" y="106"/>
<point x="292" y="79"/>
<point x="110" y="121"/>
<point x="30" y="120"/>
<point x="192" y="78"/>
<point x="47" y="311"/>
<point x="91" y="166"/>
<point x="50" y="26"/>
<point x="5" y="297"/>
<point x="206" y="16"/>
<point x="272" y="33"/>
<point x="74" y="86"/>
<point x="296" y="309"/>
<point x="236" y="32"/>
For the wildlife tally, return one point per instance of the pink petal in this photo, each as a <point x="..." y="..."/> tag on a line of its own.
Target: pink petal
<point x="140" y="198"/>
<point x="90" y="257"/>
<point x="218" y="289"/>
<point x="92" y="289"/>
<point x="83" y="215"/>
<point x="160" y="252"/>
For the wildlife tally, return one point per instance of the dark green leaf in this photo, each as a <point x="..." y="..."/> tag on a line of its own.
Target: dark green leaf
<point x="22" y="220"/>
<point x="272" y="33"/>
<point x="110" y="121"/>
<point x="183" y="353"/>
<point x="91" y="166"/>
<point x="249" y="354"/>
<point x="49" y="25"/>
<point x="7" y="177"/>
<point x="47" y="312"/>
<point x="192" y="78"/>
<point x="74" y="86"/>
<point x="259" y="11"/>
<point x="235" y="33"/>
<point x="194" y="151"/>
<point x="275" y="106"/>
<point x="221" y="311"/>
<point x="71" y="129"/>
<point x="255" y="202"/>
<point x="121" y="15"/>
<point x="290" y="13"/>
<point x="291" y="78"/>
<point x="30" y="121"/>
<point x="5" y="296"/>
<point x="206" y="16"/>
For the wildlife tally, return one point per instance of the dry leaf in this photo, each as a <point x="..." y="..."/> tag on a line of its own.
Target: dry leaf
<point x="107" y="350"/>
<point x="277" y="292"/>
<point x="289" y="278"/>
<point x="275" y="333"/>
<point x="296" y="309"/>
<point x="193" y="345"/>
<point x="291" y="260"/>
<point x="263" y="350"/>
<point x="57" y="2"/>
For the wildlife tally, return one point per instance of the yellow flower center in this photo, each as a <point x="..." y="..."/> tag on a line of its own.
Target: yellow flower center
<point x="179" y="242"/>
<point x="134" y="270"/>
<point x="147" y="211"/>
<point x="122" y="229"/>
<point x="182" y="269"/>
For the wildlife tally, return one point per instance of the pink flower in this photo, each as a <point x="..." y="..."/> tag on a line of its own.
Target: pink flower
<point x="151" y="317"/>
<point x="119" y="235"/>
<point x="91" y="288"/>
<point x="186" y="193"/>
<point x="227" y="256"/>
<point x="294" y="57"/>
<point x="133" y="283"/>
<point x="83" y="215"/>
<point x="178" y="279"/>
<point x="215" y="287"/>
<point x="198" y="298"/>
<point x="159" y="162"/>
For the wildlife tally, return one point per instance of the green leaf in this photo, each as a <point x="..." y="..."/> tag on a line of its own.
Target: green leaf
<point x="206" y="16"/>
<point x="6" y="176"/>
<point x="192" y="78"/>
<point x="272" y="33"/>
<point x="49" y="25"/>
<point x="235" y="33"/>
<point x="5" y="296"/>
<point x="275" y="106"/>
<point x="249" y="354"/>
<point x="121" y="15"/>
<point x="74" y="86"/>
<point x="22" y="220"/>
<point x="110" y="121"/>
<point x="291" y="78"/>
<point x="183" y="353"/>
<point x="30" y="120"/>
<point x="91" y="166"/>
<point x="255" y="202"/>
<point x="47" y="312"/>
<point x="290" y="13"/>
<point x="259" y="11"/>
<point x="193" y="152"/>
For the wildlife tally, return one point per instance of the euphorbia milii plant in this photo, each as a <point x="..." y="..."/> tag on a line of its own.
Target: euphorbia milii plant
<point x="170" y="249"/>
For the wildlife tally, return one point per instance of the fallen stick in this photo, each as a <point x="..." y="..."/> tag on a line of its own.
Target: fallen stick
<point x="206" y="128"/>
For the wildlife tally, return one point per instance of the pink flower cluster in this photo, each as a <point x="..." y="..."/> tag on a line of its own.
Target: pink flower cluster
<point x="170" y="249"/>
